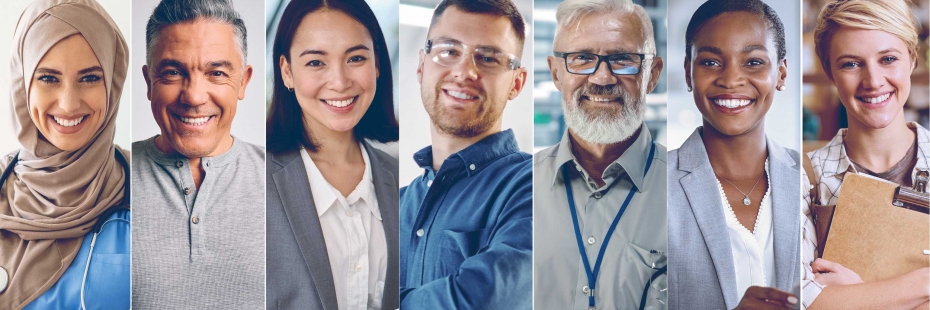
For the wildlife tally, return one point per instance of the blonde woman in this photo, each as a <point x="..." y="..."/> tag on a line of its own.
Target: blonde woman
<point x="868" y="49"/>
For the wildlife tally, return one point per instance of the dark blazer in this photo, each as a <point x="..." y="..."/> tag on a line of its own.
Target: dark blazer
<point x="700" y="261"/>
<point x="298" y="274"/>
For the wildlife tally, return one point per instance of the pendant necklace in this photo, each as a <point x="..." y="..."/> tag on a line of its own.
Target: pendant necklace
<point x="746" y="200"/>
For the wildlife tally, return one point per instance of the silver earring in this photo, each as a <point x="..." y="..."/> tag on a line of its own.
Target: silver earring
<point x="290" y="89"/>
<point x="781" y="87"/>
<point x="689" y="89"/>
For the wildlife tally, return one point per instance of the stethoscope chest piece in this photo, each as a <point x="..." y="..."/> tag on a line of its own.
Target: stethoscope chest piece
<point x="4" y="279"/>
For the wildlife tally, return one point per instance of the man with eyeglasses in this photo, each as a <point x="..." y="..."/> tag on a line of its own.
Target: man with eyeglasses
<point x="466" y="222"/>
<point x="600" y="194"/>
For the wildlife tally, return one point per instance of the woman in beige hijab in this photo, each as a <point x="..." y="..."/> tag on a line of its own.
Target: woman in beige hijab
<point x="64" y="224"/>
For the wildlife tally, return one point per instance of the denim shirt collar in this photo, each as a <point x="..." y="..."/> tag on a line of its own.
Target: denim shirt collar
<point x="480" y="154"/>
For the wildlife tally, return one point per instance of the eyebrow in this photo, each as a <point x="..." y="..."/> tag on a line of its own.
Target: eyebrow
<point x="91" y="69"/>
<point x="357" y="48"/>
<point x="490" y="47"/>
<point x="169" y="63"/>
<point x="220" y="64"/>
<point x="314" y="52"/>
<point x="710" y="49"/>
<point x="48" y="71"/>
<point x="754" y="47"/>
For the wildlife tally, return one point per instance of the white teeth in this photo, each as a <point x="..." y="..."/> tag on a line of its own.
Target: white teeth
<point x="194" y="121"/>
<point x="340" y="103"/>
<point x="732" y="103"/>
<point x="596" y="99"/>
<point x="460" y="95"/>
<point x="69" y="123"/>
<point x="874" y="100"/>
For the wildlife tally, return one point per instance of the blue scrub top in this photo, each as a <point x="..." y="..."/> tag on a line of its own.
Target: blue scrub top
<point x="107" y="283"/>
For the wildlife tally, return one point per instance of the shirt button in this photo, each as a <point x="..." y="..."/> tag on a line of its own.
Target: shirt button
<point x="4" y="279"/>
<point x="429" y="183"/>
<point x="585" y="289"/>
<point x="179" y="164"/>
<point x="420" y="233"/>
<point x="207" y="164"/>
<point x="597" y="195"/>
<point x="195" y="219"/>
<point x="349" y="213"/>
<point x="187" y="191"/>
<point x="591" y="240"/>
<point x="472" y="167"/>
<point x="358" y="268"/>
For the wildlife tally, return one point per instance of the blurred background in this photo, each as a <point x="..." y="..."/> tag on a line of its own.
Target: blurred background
<point x="9" y="15"/>
<point x="385" y="11"/>
<point x="548" y="121"/>
<point x="823" y="112"/>
<point x="782" y="122"/>
<point x="415" y="17"/>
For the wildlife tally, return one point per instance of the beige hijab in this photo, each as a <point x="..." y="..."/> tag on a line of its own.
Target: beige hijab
<point x="54" y="197"/>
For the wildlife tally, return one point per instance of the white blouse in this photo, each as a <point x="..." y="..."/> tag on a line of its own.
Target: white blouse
<point x="753" y="251"/>
<point x="354" y="237"/>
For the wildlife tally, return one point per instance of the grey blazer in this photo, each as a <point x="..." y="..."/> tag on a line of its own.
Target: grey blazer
<point x="700" y="262"/>
<point x="298" y="274"/>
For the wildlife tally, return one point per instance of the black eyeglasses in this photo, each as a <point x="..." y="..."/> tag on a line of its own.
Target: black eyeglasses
<point x="587" y="63"/>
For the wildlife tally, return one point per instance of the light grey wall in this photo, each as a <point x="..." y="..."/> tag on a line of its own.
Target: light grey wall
<point x="9" y="15"/>
<point x="249" y="123"/>
<point x="783" y="121"/>
<point x="414" y="122"/>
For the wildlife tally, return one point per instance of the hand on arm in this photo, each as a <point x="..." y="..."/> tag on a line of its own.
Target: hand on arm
<point x="907" y="291"/>
<point x="763" y="298"/>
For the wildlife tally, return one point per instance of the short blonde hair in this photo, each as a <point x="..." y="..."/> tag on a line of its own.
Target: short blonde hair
<point x="891" y="16"/>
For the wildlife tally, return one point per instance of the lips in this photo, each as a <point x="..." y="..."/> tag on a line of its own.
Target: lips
<point x="340" y="102"/>
<point x="69" y="122"/>
<point x="731" y="103"/>
<point x="600" y="99"/>
<point x="874" y="99"/>
<point x="460" y="95"/>
<point x="194" y="120"/>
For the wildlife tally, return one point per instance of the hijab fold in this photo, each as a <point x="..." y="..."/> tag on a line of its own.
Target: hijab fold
<point x="54" y="197"/>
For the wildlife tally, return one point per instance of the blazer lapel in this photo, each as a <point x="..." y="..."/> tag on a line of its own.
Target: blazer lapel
<point x="704" y="199"/>
<point x="386" y="189"/>
<point x="785" y="215"/>
<point x="294" y="189"/>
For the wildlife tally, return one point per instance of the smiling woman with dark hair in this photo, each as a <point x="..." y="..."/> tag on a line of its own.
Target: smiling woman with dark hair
<point x="732" y="198"/>
<point x="332" y="93"/>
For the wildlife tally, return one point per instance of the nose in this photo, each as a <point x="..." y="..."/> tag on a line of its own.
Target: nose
<point x="872" y="78"/>
<point x="465" y="70"/>
<point x="602" y="74"/>
<point x="730" y="78"/>
<point x="70" y="99"/>
<point x="195" y="92"/>
<point x="339" y="80"/>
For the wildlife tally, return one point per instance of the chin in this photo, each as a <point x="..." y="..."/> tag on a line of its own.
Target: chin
<point x="194" y="147"/>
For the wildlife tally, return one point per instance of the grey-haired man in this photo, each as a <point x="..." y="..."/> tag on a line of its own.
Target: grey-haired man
<point x="199" y="225"/>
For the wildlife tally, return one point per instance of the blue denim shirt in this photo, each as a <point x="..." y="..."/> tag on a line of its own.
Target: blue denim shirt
<point x="466" y="231"/>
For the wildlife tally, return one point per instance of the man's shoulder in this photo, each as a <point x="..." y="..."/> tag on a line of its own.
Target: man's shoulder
<point x="545" y="155"/>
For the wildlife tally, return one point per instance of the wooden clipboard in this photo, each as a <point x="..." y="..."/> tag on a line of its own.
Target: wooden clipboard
<point x="879" y="230"/>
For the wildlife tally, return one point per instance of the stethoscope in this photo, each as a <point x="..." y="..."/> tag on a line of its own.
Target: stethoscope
<point x="123" y="205"/>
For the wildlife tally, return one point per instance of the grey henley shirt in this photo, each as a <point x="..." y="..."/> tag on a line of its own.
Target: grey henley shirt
<point x="198" y="249"/>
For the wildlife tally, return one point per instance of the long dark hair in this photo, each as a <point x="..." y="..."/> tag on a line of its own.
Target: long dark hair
<point x="285" y="126"/>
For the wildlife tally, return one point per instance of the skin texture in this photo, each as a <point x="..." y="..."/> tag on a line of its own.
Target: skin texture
<point x="602" y="34"/>
<point x="340" y="65"/>
<point x="68" y="83"/>
<point x="869" y="63"/>
<point x="736" y="57"/>
<point x="196" y="70"/>
<point x="457" y="123"/>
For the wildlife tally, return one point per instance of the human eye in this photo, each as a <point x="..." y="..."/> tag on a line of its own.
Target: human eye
<point x="709" y="63"/>
<point x="850" y="65"/>
<point x="315" y="63"/>
<point x="217" y="73"/>
<point x="888" y="60"/>
<point x="170" y="73"/>
<point x="580" y="57"/>
<point x="357" y="58"/>
<point x="91" y="78"/>
<point x="47" y="79"/>
<point x="755" y="62"/>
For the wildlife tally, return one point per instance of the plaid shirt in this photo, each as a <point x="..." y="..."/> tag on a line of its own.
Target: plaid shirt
<point x="830" y="164"/>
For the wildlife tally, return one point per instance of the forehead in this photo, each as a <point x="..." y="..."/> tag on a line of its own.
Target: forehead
<point x="62" y="54"/>
<point x="845" y="38"/>
<point x="330" y="29"/>
<point x="735" y="30"/>
<point x="476" y="29"/>
<point x="602" y="33"/>
<point x="203" y="39"/>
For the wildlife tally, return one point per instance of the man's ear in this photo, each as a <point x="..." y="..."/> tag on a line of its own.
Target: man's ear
<point x="656" y="71"/>
<point x="519" y="80"/>
<point x="148" y="83"/>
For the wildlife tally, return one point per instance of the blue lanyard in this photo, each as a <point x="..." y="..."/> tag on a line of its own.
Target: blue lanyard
<point x="592" y="274"/>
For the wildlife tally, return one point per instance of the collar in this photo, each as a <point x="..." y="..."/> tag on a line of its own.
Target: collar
<point x="692" y="154"/>
<point x="481" y="153"/>
<point x="325" y="195"/>
<point x="843" y="164"/>
<point x="165" y="159"/>
<point x="634" y="159"/>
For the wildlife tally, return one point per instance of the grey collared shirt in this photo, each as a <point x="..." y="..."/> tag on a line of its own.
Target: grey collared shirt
<point x="636" y="250"/>
<point x="198" y="249"/>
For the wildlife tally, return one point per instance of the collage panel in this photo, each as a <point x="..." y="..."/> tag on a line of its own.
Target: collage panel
<point x="866" y="147"/>
<point x="600" y="162"/>
<point x="466" y="195"/>
<point x="64" y="185"/>
<point x="733" y="208"/>
<point x="198" y="237"/>
<point x="332" y="200"/>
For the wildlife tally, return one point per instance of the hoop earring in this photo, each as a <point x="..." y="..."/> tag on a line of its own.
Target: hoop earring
<point x="689" y="89"/>
<point x="780" y="87"/>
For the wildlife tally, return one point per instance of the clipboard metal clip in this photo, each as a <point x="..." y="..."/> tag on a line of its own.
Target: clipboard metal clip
<point x="915" y="198"/>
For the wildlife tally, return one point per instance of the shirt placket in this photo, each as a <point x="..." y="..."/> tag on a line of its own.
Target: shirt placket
<point x="437" y="187"/>
<point x="188" y="191"/>
<point x="200" y="204"/>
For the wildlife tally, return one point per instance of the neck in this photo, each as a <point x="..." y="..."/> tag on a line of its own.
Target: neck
<point x="445" y="144"/>
<point x="594" y="158"/>
<point x="337" y="147"/>
<point x="197" y="171"/>
<point x="738" y="157"/>
<point x="878" y="149"/>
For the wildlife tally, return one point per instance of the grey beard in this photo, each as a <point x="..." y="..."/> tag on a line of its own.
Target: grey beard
<point x="604" y="128"/>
